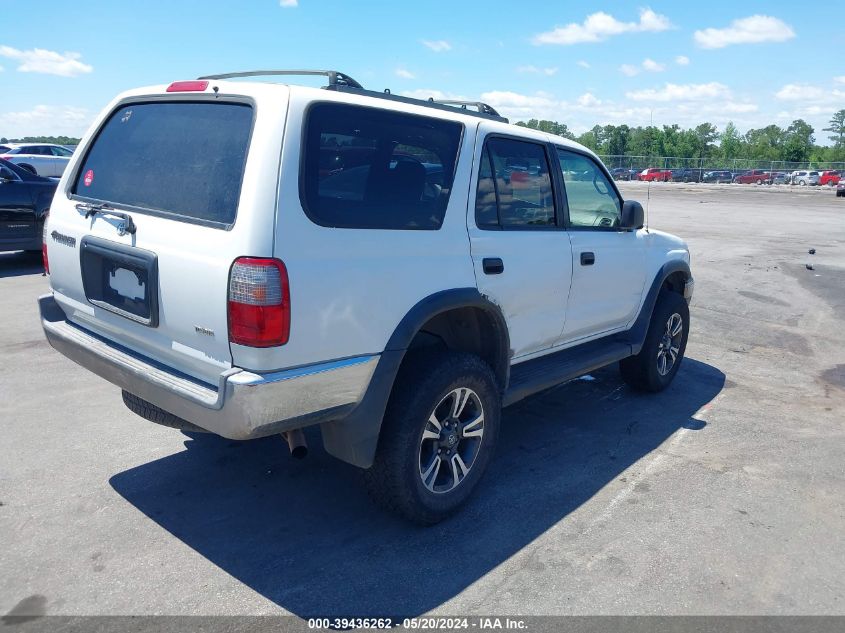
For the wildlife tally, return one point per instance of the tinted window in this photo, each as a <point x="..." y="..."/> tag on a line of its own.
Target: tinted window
<point x="61" y="151"/>
<point x="591" y="198"/>
<point x="514" y="186"/>
<point x="179" y="158"/>
<point x="375" y="169"/>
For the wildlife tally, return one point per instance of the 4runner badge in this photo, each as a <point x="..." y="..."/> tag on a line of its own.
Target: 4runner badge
<point x="63" y="239"/>
<point x="203" y="330"/>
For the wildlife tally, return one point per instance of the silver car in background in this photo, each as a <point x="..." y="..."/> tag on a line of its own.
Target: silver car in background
<point x="803" y="177"/>
<point x="44" y="159"/>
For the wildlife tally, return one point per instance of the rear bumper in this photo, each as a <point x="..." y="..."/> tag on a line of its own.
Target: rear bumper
<point x="244" y="404"/>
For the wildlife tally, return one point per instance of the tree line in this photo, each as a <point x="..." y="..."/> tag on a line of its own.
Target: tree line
<point x="55" y="140"/>
<point x="794" y="143"/>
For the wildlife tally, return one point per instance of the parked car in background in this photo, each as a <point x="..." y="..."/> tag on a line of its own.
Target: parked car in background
<point x="623" y="173"/>
<point x="830" y="178"/>
<point x="840" y="189"/>
<point x="804" y="177"/>
<point x="687" y="175"/>
<point x="779" y="178"/>
<point x="655" y="173"/>
<point x="44" y="159"/>
<point x="24" y="202"/>
<point x="756" y="176"/>
<point x="717" y="176"/>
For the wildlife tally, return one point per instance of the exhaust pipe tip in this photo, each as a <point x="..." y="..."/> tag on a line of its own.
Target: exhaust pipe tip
<point x="296" y="443"/>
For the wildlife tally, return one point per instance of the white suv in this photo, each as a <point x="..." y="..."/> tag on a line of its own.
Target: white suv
<point x="44" y="159"/>
<point x="251" y="258"/>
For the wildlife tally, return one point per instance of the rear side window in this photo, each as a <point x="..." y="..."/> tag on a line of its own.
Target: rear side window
<point x="178" y="158"/>
<point x="367" y="168"/>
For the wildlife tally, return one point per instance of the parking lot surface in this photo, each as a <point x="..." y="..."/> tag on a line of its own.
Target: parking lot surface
<point x="723" y="495"/>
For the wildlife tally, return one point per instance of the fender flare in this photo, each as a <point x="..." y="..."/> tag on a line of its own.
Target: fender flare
<point x="354" y="438"/>
<point x="638" y="331"/>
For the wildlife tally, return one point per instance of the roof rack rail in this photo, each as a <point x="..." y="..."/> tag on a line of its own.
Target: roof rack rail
<point x="336" y="78"/>
<point x="480" y="105"/>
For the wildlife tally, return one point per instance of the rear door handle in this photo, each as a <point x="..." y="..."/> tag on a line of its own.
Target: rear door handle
<point x="588" y="259"/>
<point x="493" y="266"/>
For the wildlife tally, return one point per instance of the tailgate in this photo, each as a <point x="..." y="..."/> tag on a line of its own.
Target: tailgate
<point x="161" y="202"/>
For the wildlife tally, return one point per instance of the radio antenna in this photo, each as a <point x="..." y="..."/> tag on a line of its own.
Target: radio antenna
<point x="648" y="187"/>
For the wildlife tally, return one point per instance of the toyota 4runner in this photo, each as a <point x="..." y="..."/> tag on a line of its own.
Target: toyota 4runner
<point x="249" y="258"/>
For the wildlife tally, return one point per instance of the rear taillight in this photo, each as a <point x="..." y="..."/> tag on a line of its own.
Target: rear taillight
<point x="44" y="245"/>
<point x="259" y="302"/>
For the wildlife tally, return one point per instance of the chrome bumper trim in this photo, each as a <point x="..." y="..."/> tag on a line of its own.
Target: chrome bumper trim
<point x="244" y="405"/>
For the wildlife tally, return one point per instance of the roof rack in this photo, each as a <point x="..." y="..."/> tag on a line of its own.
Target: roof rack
<point x="479" y="105"/>
<point x="342" y="82"/>
<point x="336" y="78"/>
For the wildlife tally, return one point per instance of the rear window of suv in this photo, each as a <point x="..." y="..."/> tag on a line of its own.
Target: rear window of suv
<point x="367" y="168"/>
<point x="184" y="159"/>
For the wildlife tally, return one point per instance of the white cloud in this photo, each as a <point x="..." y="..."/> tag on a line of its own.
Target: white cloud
<point x="39" y="60"/>
<point x="583" y="64"/>
<point x="288" y="4"/>
<point x="648" y="64"/>
<point x="682" y="60"/>
<point x="537" y="71"/>
<point x="751" y="30"/>
<point x="840" y="79"/>
<point x="404" y="73"/>
<point x="438" y="46"/>
<point x="44" y="120"/>
<point x="424" y="94"/>
<point x="588" y="100"/>
<point x="599" y="26"/>
<point x="800" y="92"/>
<point x="683" y="92"/>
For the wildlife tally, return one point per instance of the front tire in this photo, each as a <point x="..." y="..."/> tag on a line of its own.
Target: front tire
<point x="654" y="368"/>
<point x="438" y="435"/>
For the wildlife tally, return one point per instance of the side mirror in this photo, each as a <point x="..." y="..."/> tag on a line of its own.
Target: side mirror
<point x="633" y="216"/>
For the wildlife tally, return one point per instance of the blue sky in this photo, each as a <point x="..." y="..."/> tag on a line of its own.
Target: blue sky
<point x="578" y="63"/>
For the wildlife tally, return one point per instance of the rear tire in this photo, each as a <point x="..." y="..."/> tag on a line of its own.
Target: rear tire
<point x="654" y="368"/>
<point x="429" y="458"/>
<point x="152" y="413"/>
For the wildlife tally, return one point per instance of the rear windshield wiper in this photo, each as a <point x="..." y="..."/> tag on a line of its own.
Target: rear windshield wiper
<point x="93" y="209"/>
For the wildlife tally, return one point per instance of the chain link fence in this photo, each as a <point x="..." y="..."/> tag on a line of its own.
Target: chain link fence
<point x="711" y="164"/>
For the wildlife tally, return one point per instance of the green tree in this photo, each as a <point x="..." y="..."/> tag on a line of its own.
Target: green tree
<point x="730" y="142"/>
<point x="798" y="141"/>
<point x="837" y="126"/>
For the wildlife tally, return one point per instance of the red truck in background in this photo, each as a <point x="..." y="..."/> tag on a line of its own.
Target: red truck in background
<point x="654" y="173"/>
<point x="830" y="178"/>
<point x="757" y="176"/>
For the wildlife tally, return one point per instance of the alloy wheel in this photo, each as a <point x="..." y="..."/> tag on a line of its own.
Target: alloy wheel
<point x="451" y="440"/>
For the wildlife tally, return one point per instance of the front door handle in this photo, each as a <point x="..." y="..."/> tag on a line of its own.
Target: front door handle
<point x="493" y="266"/>
<point x="588" y="259"/>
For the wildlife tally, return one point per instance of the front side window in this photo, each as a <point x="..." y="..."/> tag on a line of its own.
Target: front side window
<point x="514" y="188"/>
<point x="61" y="151"/>
<point x="592" y="200"/>
<point x="180" y="158"/>
<point x="368" y="168"/>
